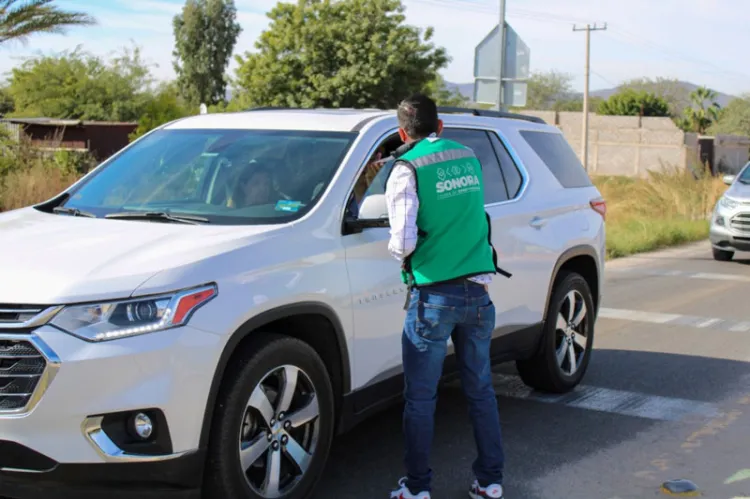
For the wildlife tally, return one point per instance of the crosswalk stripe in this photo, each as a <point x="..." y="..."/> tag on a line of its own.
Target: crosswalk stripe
<point x="674" y="319"/>
<point x="712" y="276"/>
<point x="611" y="401"/>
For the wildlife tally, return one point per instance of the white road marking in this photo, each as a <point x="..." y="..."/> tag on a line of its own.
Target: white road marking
<point x="741" y="327"/>
<point x="611" y="401"/>
<point x="637" y="315"/>
<point x="716" y="323"/>
<point x="709" y="322"/>
<point x="711" y="276"/>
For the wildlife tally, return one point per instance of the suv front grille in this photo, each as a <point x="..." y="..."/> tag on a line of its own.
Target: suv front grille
<point x="21" y="368"/>
<point x="741" y="222"/>
<point x="14" y="314"/>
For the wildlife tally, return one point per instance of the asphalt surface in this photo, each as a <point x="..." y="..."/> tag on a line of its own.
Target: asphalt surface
<point x="666" y="396"/>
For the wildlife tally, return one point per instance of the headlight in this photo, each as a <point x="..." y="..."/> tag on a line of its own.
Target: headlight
<point x="118" y="319"/>
<point x="728" y="203"/>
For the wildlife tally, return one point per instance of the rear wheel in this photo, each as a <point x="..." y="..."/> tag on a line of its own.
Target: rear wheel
<point x="274" y="424"/>
<point x="722" y="255"/>
<point x="567" y="341"/>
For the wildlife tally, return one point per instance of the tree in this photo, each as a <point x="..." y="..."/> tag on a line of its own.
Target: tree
<point x="164" y="106"/>
<point x="338" y="53"/>
<point x="630" y="102"/>
<point x="6" y="102"/>
<point x="205" y="35"/>
<point x="734" y="119"/>
<point x="673" y="91"/>
<point x="78" y="85"/>
<point x="444" y="96"/>
<point x="19" y="19"/>
<point x="545" y="89"/>
<point x="576" y="105"/>
<point x="703" y="112"/>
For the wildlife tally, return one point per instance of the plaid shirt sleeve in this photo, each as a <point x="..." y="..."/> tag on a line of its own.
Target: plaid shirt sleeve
<point x="403" y="206"/>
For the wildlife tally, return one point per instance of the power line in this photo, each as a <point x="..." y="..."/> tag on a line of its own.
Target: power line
<point x="585" y="139"/>
<point x="618" y="33"/>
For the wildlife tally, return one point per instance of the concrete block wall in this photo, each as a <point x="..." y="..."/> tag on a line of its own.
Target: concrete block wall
<point x="626" y="145"/>
<point x="731" y="153"/>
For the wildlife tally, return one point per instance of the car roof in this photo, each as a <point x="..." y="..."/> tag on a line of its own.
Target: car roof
<point x="331" y="120"/>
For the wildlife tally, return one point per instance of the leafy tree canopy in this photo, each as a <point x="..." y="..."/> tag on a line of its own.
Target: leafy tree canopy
<point x="703" y="112"/>
<point x="20" y="19"/>
<point x="338" y="53"/>
<point x="630" y="102"/>
<point x="671" y="90"/>
<point x="734" y="119"/>
<point x="205" y="35"/>
<point x="444" y="96"/>
<point x="6" y="102"/>
<point x="164" y="106"/>
<point x="78" y="85"/>
<point x="546" y="89"/>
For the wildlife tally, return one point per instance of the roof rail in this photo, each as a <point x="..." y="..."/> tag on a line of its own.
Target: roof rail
<point x="490" y="114"/>
<point x="271" y="108"/>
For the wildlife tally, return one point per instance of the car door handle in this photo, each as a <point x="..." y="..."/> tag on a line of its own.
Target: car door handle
<point x="537" y="222"/>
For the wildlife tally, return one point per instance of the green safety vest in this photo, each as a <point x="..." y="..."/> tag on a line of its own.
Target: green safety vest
<point x="454" y="238"/>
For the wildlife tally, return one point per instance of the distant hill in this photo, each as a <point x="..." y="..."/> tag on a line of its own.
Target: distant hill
<point x="467" y="90"/>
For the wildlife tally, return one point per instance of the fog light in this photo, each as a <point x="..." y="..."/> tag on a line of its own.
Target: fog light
<point x="720" y="221"/>
<point x="143" y="426"/>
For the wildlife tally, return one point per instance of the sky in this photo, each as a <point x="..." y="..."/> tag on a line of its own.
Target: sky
<point x="702" y="41"/>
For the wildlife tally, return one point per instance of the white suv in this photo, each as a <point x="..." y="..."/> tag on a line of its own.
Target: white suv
<point x="201" y="314"/>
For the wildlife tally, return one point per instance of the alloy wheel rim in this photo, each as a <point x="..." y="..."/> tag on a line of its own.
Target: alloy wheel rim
<point x="279" y="432"/>
<point x="571" y="333"/>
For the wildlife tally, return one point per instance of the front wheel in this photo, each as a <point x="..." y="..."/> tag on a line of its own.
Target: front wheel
<point x="274" y="423"/>
<point x="567" y="339"/>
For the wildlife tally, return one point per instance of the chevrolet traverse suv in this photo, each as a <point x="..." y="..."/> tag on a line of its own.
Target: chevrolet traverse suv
<point x="201" y="314"/>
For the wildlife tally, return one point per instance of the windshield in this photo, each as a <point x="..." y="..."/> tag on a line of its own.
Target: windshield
<point x="745" y="175"/>
<point x="223" y="176"/>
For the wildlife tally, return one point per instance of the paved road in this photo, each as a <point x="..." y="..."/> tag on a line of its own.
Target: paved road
<point x="667" y="395"/>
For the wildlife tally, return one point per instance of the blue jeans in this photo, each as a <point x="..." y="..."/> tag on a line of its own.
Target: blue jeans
<point x="436" y="313"/>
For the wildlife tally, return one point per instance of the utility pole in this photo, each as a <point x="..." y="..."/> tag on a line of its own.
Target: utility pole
<point x="585" y="135"/>
<point x="501" y="60"/>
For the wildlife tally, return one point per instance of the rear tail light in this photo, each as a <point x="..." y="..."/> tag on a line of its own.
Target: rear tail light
<point x="599" y="206"/>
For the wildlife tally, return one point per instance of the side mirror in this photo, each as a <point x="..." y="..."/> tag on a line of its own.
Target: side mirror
<point x="374" y="207"/>
<point x="728" y="179"/>
<point x="372" y="214"/>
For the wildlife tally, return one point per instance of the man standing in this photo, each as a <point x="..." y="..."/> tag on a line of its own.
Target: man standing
<point x="440" y="233"/>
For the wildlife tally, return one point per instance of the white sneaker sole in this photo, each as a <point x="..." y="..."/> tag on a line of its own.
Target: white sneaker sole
<point x="472" y="495"/>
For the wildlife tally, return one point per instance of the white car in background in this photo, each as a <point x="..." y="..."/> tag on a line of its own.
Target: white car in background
<point x="730" y="223"/>
<point x="201" y="314"/>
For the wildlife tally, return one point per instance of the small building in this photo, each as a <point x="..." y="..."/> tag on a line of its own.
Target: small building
<point x="100" y="138"/>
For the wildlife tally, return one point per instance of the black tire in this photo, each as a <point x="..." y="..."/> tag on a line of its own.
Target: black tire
<point x="543" y="372"/>
<point x="722" y="255"/>
<point x="225" y="477"/>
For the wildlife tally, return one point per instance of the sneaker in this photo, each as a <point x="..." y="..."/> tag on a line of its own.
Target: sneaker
<point x="494" y="491"/>
<point x="404" y="493"/>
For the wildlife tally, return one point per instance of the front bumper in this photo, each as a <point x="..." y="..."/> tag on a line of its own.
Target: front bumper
<point x="54" y="445"/>
<point x="728" y="239"/>
<point x="178" y="478"/>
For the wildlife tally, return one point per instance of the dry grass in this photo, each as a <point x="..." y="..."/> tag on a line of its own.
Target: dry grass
<point x="29" y="176"/>
<point x="669" y="207"/>
<point x="21" y="188"/>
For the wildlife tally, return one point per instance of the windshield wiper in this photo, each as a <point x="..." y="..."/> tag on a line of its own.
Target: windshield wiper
<point x="158" y="215"/>
<point x="743" y="181"/>
<point x="75" y="212"/>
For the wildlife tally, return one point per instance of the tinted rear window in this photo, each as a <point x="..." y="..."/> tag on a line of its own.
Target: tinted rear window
<point x="559" y="158"/>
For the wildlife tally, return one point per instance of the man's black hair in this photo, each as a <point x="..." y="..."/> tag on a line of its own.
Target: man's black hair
<point x="418" y="116"/>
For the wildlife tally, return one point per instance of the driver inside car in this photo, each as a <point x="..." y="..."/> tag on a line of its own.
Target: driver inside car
<point x="254" y="187"/>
